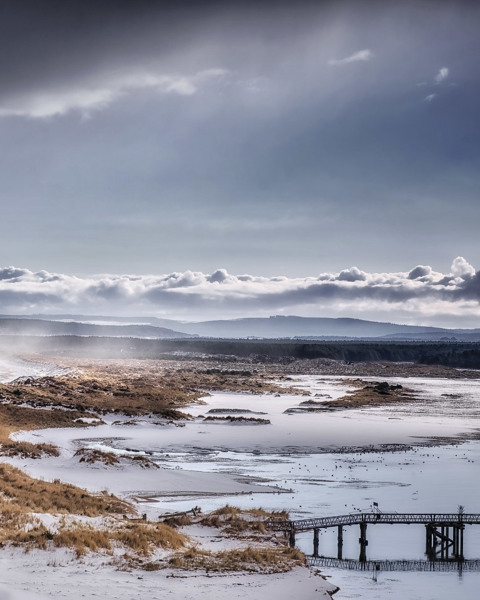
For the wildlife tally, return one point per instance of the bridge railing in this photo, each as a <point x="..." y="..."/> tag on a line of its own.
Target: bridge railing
<point x="375" y="517"/>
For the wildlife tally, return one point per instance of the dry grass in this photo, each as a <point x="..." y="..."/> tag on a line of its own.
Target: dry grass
<point x="143" y="388"/>
<point x="232" y="419"/>
<point x="28" y="450"/>
<point x="260" y="560"/>
<point x="372" y="394"/>
<point x="227" y="510"/>
<point x="237" y="522"/>
<point x="27" y="494"/>
<point x="233" y="511"/>
<point x="145" y="538"/>
<point x="21" y="529"/>
<point x="91" y="456"/>
<point x="83" y="538"/>
<point x="142" y="538"/>
<point x="138" y="540"/>
<point x="131" y="388"/>
<point x="254" y="381"/>
<point x="14" y="417"/>
<point x="267" y="514"/>
<point x="104" y="390"/>
<point x="234" y="524"/>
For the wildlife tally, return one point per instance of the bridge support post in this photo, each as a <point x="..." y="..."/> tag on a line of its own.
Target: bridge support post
<point x="444" y="541"/>
<point x="315" y="541"/>
<point x="457" y="547"/>
<point x="363" y="542"/>
<point x="291" y="536"/>
<point x="340" y="543"/>
<point x="430" y="541"/>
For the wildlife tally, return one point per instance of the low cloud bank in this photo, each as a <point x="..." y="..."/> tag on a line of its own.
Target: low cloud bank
<point x="417" y="294"/>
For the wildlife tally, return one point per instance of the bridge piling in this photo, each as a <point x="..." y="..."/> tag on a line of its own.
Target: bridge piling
<point x="340" y="543"/>
<point x="315" y="541"/>
<point x="291" y="536"/>
<point x="363" y="542"/>
<point x="444" y="541"/>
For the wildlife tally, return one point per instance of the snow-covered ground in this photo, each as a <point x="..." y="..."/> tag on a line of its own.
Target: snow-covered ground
<point x="13" y="367"/>
<point x="39" y="575"/>
<point x="210" y="464"/>
<point x="58" y="573"/>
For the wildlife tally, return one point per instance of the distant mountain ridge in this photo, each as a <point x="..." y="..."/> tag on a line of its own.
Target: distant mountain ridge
<point x="257" y="327"/>
<point x="44" y="327"/>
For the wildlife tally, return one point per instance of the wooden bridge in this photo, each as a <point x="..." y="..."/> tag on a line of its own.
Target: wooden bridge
<point x="443" y="531"/>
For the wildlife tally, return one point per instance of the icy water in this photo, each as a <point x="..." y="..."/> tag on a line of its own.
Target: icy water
<point x="311" y="455"/>
<point x="334" y="463"/>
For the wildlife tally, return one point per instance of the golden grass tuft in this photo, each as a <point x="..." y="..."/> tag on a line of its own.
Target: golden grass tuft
<point x="28" y="450"/>
<point x="91" y="456"/>
<point x="267" y="514"/>
<point x="30" y="494"/>
<point x="14" y="417"/>
<point x="145" y="538"/>
<point x="82" y="538"/>
<point x="19" y="528"/>
<point x="226" y="510"/>
<point x="259" y="560"/>
<point x="235" y="521"/>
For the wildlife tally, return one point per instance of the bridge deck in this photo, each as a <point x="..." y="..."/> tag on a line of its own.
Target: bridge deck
<point x="385" y="518"/>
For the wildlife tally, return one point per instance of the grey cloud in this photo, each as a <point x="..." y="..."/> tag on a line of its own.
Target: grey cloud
<point x="12" y="273"/>
<point x="419" y="272"/>
<point x="22" y="300"/>
<point x="219" y="276"/>
<point x="222" y="293"/>
<point x="469" y="289"/>
<point x="352" y="274"/>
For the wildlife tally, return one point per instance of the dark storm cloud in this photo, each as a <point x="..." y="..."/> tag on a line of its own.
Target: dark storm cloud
<point x="268" y="137"/>
<point x="470" y="290"/>
<point x="201" y="295"/>
<point x="52" y="42"/>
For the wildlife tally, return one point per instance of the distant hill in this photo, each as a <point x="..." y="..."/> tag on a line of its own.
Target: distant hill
<point x="44" y="327"/>
<point x="305" y="327"/>
<point x="308" y="328"/>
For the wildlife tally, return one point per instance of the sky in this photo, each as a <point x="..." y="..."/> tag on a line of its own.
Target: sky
<point x="225" y="159"/>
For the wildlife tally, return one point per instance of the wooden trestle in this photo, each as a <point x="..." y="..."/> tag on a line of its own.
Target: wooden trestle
<point x="443" y="532"/>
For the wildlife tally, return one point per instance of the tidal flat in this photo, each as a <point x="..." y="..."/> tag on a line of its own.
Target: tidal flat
<point x="414" y="454"/>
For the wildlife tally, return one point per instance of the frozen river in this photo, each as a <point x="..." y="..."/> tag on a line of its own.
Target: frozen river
<point x="332" y="463"/>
